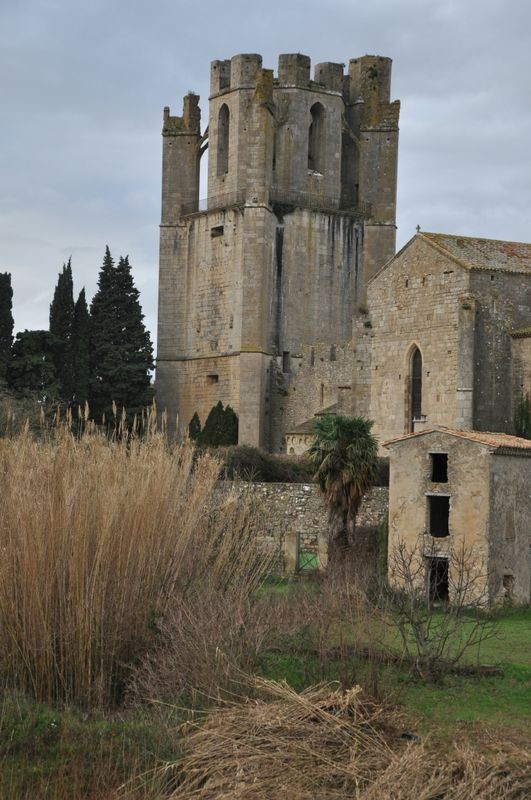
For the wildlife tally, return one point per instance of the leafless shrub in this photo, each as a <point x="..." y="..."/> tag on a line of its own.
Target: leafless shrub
<point x="437" y="635"/>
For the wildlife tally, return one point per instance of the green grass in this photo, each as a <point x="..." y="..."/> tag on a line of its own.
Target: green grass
<point x="66" y="754"/>
<point x="503" y="700"/>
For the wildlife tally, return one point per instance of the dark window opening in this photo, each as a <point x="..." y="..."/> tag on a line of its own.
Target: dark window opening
<point x="438" y="580"/>
<point x="286" y="362"/>
<point x="211" y="379"/>
<point x="312" y="357"/>
<point x="439" y="513"/>
<point x="439" y="467"/>
<point x="416" y="386"/>
<point x="333" y="356"/>
<point x="508" y="588"/>
<point x="315" y="138"/>
<point x="223" y="140"/>
<point x="217" y="231"/>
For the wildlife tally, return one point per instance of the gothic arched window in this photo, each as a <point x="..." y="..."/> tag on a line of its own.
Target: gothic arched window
<point x="223" y="140"/>
<point x="315" y="138"/>
<point x="416" y="386"/>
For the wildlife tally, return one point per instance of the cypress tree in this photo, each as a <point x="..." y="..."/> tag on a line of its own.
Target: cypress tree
<point x="121" y="352"/>
<point x="31" y="368"/>
<point x="81" y="350"/>
<point x="6" y="322"/>
<point x="62" y="329"/>
<point x="194" y="427"/>
<point x="221" y="427"/>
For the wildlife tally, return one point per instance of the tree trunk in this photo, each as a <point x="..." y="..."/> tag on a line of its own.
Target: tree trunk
<point x="338" y="535"/>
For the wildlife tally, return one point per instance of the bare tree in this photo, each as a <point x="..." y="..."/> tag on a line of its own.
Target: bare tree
<point x="439" y="623"/>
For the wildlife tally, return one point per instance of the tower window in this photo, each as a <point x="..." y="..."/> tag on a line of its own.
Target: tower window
<point x="217" y="231"/>
<point x="315" y="138"/>
<point x="439" y="467"/>
<point x="223" y="140"/>
<point x="333" y="356"/>
<point x="212" y="379"/>
<point x="286" y="362"/>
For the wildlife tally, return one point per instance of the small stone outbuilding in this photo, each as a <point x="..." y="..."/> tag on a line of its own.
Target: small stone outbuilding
<point x="463" y="492"/>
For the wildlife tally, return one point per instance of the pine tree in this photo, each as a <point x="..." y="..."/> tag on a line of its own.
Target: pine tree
<point x="31" y="368"/>
<point x="121" y="354"/>
<point x="81" y="350"/>
<point x="6" y="322"/>
<point x="62" y="328"/>
<point x="194" y="427"/>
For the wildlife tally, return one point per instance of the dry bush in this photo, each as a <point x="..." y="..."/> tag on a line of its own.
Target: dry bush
<point x="324" y="745"/>
<point x="99" y="539"/>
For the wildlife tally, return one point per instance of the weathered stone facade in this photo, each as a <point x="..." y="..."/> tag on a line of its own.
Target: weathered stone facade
<point x="295" y="519"/>
<point x="456" y="300"/>
<point x="300" y="213"/>
<point x="478" y="504"/>
<point x="284" y="298"/>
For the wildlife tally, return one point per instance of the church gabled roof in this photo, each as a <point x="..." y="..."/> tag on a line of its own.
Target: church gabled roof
<point x="471" y="252"/>
<point x="489" y="254"/>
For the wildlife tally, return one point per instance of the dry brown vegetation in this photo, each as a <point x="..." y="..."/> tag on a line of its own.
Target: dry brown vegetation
<point x="326" y="744"/>
<point x="126" y="577"/>
<point x="104" y="543"/>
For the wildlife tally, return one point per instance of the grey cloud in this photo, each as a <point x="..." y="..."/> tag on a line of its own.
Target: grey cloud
<point x="83" y="86"/>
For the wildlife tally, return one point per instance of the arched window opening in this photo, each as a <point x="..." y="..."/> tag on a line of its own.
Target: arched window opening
<point x="223" y="140"/>
<point x="315" y="138"/>
<point x="416" y="387"/>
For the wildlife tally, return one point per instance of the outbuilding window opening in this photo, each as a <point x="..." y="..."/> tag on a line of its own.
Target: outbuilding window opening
<point x="286" y="362"/>
<point x="439" y="467"/>
<point x="438" y="580"/>
<point x="212" y="379"/>
<point x="439" y="514"/>
<point x="218" y="230"/>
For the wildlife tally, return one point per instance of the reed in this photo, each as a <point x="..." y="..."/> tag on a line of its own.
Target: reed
<point x="100" y="539"/>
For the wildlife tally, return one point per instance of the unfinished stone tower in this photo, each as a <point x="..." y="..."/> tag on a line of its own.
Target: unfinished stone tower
<point x="300" y="214"/>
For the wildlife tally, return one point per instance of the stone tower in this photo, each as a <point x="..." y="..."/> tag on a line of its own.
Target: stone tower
<point x="300" y="214"/>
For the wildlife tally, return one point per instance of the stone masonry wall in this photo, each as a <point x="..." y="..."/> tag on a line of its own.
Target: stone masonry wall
<point x="416" y="302"/>
<point x="295" y="517"/>
<point x="521" y="361"/>
<point x="503" y="304"/>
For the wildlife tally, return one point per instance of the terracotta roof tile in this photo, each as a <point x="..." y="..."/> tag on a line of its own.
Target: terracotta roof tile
<point x="489" y="254"/>
<point x="521" y="333"/>
<point x="497" y="441"/>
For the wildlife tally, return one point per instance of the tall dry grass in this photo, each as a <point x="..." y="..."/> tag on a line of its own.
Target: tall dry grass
<point x="100" y="542"/>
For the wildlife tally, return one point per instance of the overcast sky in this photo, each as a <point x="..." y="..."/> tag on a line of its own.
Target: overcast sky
<point x="83" y="84"/>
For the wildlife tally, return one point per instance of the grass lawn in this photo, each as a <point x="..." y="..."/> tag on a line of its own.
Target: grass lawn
<point x="503" y="701"/>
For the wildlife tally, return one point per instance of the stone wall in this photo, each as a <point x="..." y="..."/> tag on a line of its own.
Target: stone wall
<point x="324" y="375"/>
<point x="416" y="301"/>
<point x="503" y="304"/>
<point x="509" y="540"/>
<point x="295" y="518"/>
<point x="521" y="365"/>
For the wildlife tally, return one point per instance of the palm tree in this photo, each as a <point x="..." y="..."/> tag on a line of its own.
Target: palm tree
<point x="344" y="454"/>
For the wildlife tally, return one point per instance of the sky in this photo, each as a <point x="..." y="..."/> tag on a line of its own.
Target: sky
<point x="83" y="85"/>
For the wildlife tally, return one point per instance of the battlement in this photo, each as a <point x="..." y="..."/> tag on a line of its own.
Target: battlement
<point x="368" y="77"/>
<point x="187" y="124"/>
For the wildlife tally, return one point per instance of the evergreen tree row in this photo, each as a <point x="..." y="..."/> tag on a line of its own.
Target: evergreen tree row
<point x="103" y="356"/>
